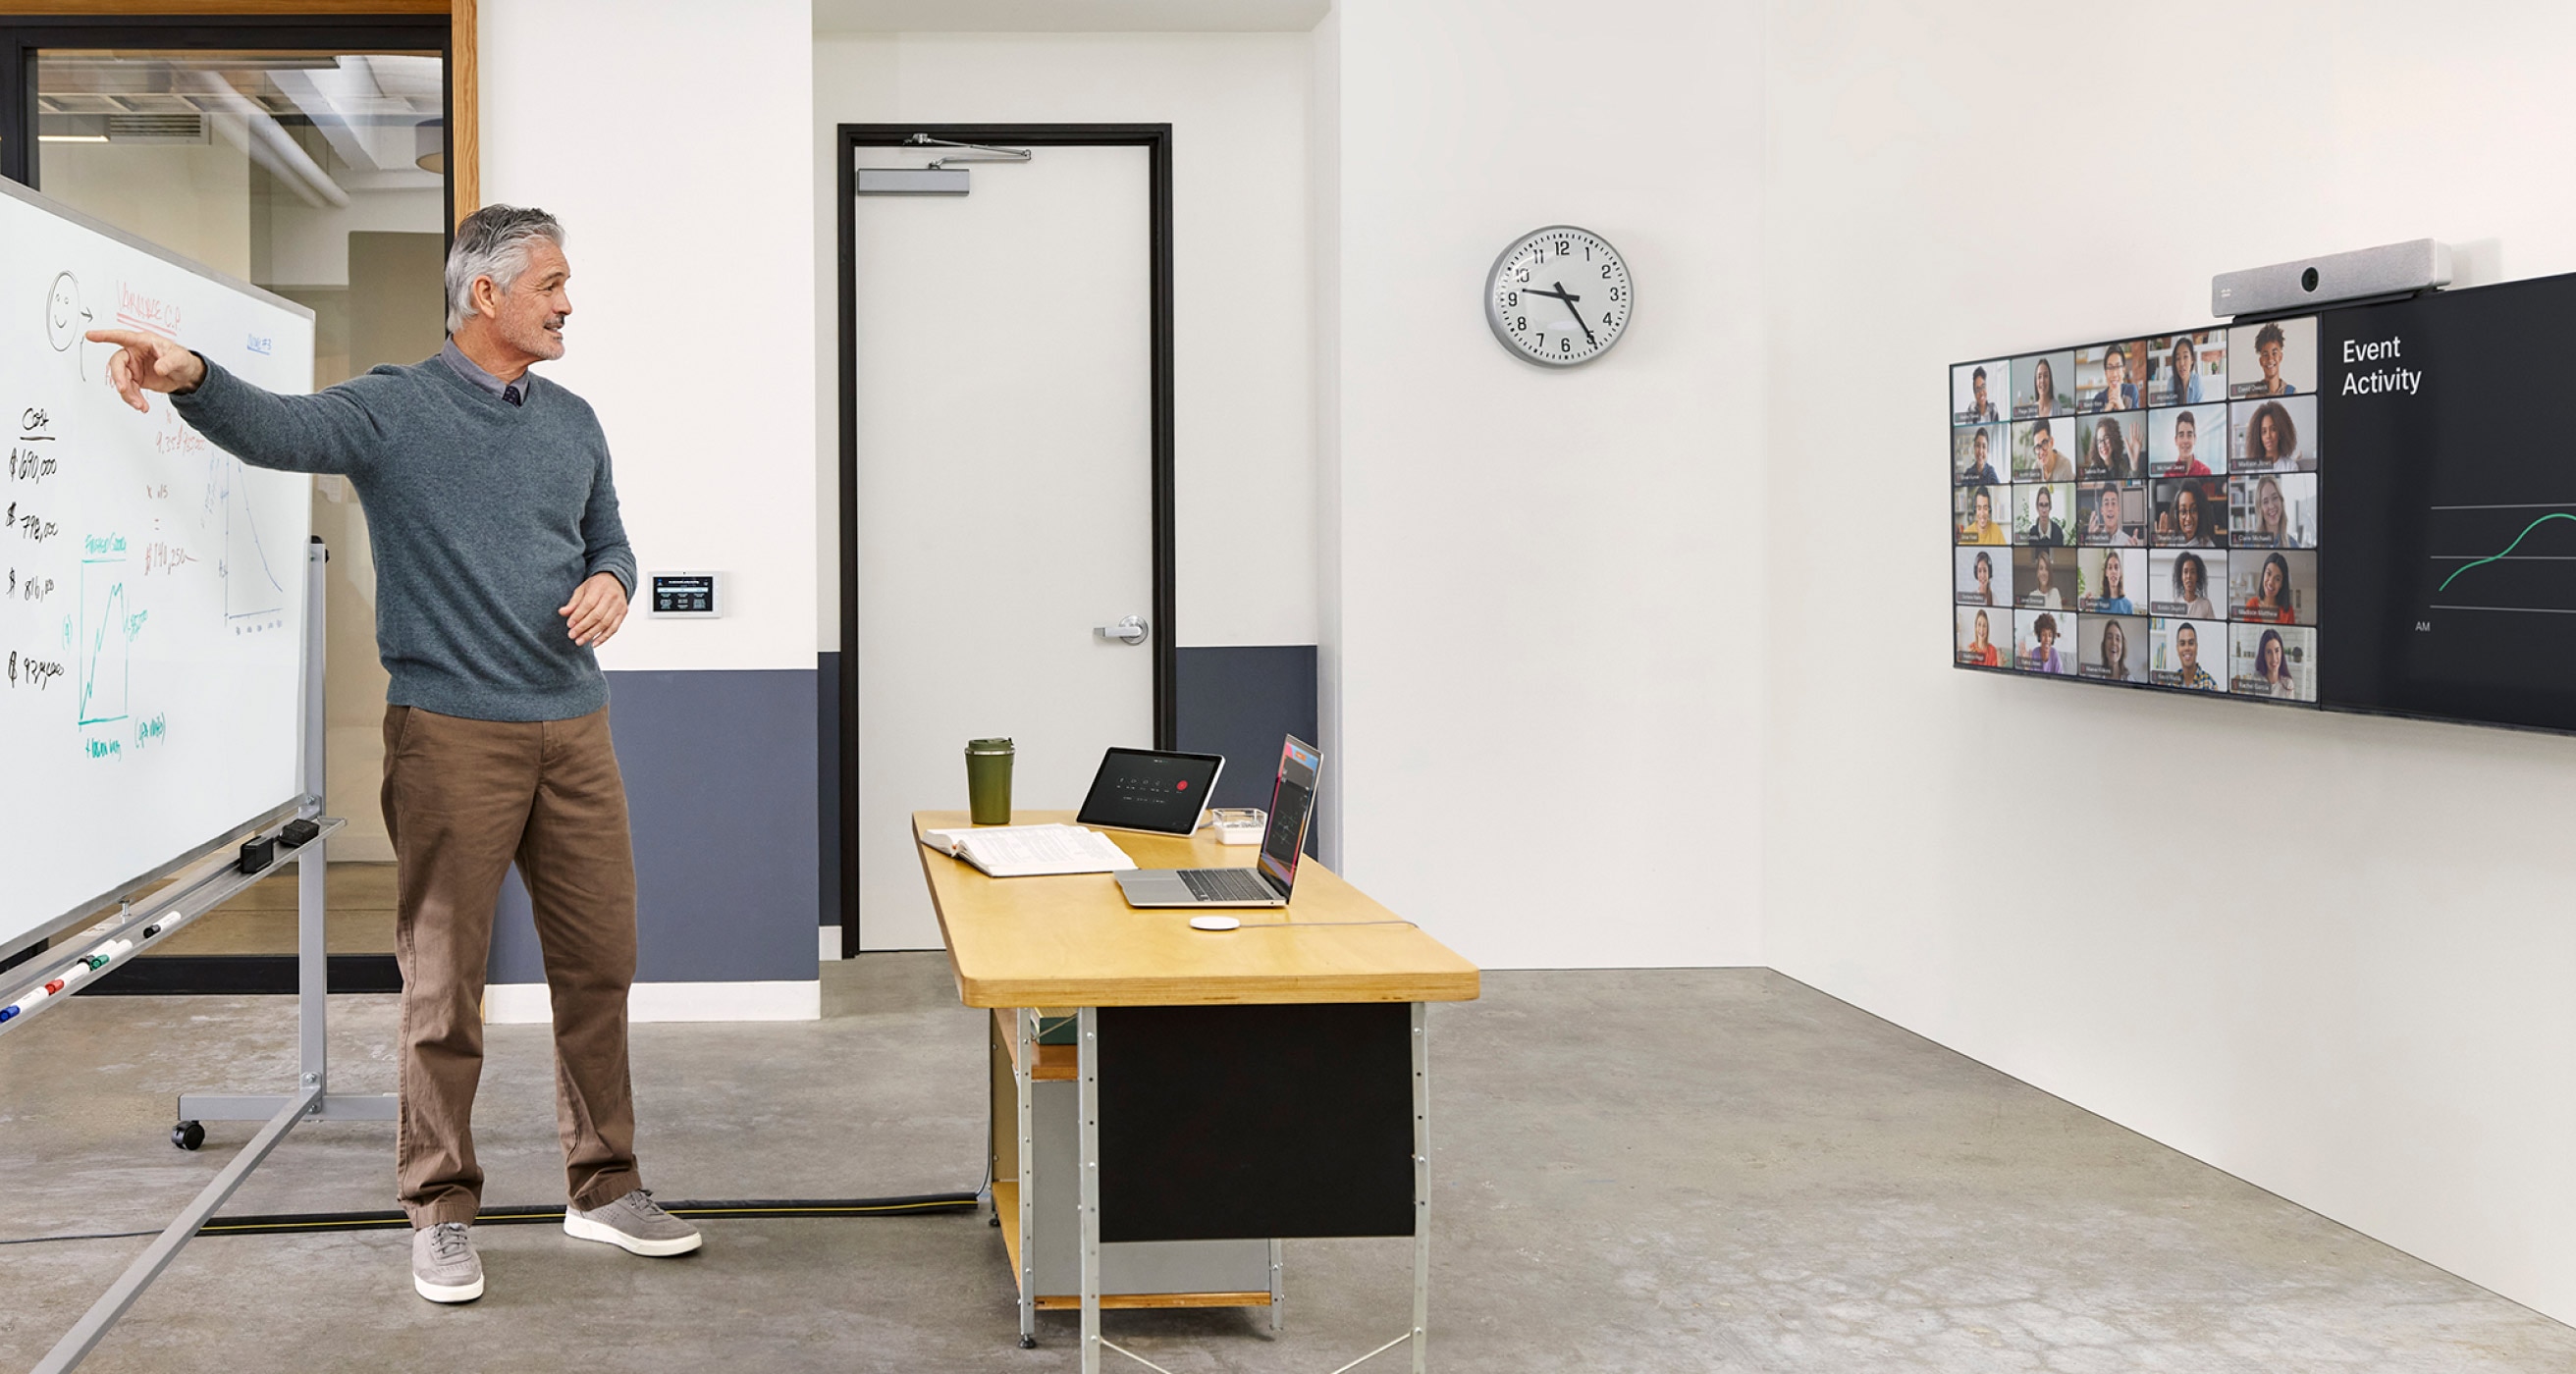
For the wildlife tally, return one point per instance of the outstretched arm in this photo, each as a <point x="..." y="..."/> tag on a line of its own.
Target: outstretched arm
<point x="326" y="432"/>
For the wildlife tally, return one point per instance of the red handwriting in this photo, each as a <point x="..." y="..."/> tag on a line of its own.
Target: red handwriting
<point x="147" y="312"/>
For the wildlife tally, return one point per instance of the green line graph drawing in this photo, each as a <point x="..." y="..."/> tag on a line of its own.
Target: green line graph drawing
<point x="2508" y="549"/>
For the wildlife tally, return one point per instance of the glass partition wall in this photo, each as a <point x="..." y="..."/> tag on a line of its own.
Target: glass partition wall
<point x="312" y="161"/>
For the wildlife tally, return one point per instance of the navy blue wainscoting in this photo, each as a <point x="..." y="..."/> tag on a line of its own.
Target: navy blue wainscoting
<point x="721" y="784"/>
<point x="1237" y="700"/>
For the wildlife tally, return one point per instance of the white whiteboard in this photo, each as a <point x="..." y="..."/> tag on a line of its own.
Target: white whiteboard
<point x="151" y="587"/>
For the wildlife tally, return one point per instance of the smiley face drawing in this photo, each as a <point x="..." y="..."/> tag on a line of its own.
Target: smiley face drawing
<point x="66" y="319"/>
<point x="64" y="315"/>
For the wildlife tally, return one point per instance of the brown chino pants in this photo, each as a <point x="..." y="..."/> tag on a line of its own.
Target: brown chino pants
<point x="463" y="798"/>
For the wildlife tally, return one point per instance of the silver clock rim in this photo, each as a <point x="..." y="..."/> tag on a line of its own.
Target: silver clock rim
<point x="1494" y="313"/>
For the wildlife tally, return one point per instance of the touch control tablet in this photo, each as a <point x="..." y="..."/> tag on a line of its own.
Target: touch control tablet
<point x="1156" y="791"/>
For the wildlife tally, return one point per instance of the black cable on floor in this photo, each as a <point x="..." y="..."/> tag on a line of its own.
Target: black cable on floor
<point x="751" y="1209"/>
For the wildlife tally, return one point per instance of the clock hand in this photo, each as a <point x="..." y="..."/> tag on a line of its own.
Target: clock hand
<point x="1559" y="293"/>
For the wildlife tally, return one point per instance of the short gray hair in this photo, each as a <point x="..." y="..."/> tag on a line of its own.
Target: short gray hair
<point x="493" y="242"/>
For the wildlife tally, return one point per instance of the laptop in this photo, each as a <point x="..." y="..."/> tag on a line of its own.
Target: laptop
<point x="1266" y="883"/>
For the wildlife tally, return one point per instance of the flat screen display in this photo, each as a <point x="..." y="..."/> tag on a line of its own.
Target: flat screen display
<point x="2169" y="512"/>
<point x="2455" y="479"/>
<point x="2144" y="512"/>
<point x="1152" y="790"/>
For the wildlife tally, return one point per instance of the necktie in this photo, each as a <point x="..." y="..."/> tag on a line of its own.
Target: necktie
<point x="511" y="394"/>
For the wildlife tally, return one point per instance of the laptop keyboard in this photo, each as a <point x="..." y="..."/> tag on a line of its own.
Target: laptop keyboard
<point x="1227" y="885"/>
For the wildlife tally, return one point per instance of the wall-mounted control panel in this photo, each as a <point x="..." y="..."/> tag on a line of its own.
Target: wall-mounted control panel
<point x="696" y="595"/>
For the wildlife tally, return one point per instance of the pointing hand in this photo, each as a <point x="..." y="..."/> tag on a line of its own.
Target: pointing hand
<point x="148" y="362"/>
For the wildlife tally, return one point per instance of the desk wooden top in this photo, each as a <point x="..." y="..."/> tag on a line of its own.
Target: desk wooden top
<point x="1074" y="942"/>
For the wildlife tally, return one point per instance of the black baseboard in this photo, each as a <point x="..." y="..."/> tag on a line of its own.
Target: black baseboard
<point x="166" y="974"/>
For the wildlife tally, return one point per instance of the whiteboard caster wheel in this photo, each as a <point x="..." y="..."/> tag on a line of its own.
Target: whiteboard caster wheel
<point x="188" y="1135"/>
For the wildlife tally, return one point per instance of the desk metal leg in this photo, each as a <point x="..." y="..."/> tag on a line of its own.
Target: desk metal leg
<point x="1087" y="1070"/>
<point x="1421" y="1186"/>
<point x="1276" y="1297"/>
<point x="1024" y="1088"/>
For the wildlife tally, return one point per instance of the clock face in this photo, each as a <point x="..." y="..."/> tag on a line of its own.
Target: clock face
<point x="1559" y="296"/>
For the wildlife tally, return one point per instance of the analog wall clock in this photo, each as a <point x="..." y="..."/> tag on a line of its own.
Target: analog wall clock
<point x="1559" y="296"/>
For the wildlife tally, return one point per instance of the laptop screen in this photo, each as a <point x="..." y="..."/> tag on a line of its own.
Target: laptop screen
<point x="1292" y="803"/>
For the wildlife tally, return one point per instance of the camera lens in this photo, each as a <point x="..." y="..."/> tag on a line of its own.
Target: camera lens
<point x="2308" y="280"/>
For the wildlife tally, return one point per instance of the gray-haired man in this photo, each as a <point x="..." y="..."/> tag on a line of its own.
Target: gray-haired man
<point x="500" y="564"/>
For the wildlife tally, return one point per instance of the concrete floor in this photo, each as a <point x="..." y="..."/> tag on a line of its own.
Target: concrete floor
<point x="1634" y="1171"/>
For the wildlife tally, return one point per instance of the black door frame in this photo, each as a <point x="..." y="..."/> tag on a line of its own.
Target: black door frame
<point x="21" y="37"/>
<point x="1157" y="140"/>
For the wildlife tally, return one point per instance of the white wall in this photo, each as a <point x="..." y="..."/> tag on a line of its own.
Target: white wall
<point x="693" y="285"/>
<point x="1244" y="397"/>
<point x="1550" y="586"/>
<point x="2357" y="995"/>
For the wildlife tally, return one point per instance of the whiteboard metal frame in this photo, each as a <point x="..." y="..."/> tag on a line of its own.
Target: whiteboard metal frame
<point x="301" y="804"/>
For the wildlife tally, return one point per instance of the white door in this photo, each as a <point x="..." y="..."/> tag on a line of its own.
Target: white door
<point x="1004" y="484"/>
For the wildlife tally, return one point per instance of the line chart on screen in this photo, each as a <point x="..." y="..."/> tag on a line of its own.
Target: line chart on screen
<point x="2508" y="558"/>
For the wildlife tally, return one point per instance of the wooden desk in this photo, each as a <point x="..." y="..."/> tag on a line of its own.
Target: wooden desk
<point x="1241" y="1025"/>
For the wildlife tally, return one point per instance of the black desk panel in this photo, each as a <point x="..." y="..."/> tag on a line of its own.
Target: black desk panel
<point x="1247" y="1122"/>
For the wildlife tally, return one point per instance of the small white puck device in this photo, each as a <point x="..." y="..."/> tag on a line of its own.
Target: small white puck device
<point x="1214" y="923"/>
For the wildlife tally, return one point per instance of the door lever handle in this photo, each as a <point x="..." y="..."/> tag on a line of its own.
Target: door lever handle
<point x="1132" y="630"/>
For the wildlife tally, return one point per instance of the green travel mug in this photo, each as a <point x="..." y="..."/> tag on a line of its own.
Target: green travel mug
<point x="988" y="781"/>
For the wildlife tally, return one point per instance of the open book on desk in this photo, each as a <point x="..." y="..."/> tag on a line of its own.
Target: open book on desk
<point x="1030" y="851"/>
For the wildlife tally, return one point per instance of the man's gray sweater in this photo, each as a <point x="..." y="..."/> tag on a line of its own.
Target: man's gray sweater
<point x="485" y="516"/>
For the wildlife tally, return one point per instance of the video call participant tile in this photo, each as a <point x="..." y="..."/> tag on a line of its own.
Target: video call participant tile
<point x="1981" y="515"/>
<point x="2274" y="358"/>
<point x="2276" y="587"/>
<point x="1977" y="454"/>
<point x="2187" y="369"/>
<point x="2111" y="446"/>
<point x="2111" y="376"/>
<point x="2187" y="441"/>
<point x="2044" y="450"/>
<point x="2274" y="661"/>
<point x="1977" y="392"/>
<point x="2187" y="582"/>
<point x="2111" y="581"/>
<point x="2043" y="384"/>
<point x="1983" y="577"/>
<point x="2188" y="654"/>
<point x="2043" y="642"/>
<point x="2187" y="513"/>
<point x="2112" y="513"/>
<point x="2273" y="436"/>
<point x="2043" y="513"/>
<point x="2044" y="578"/>
<point x="1984" y="637"/>
<point x="2111" y="648"/>
<point x="2272" y="511"/>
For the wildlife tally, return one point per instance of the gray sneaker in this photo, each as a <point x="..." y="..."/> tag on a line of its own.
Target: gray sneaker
<point x="634" y="1223"/>
<point x="444" y="1267"/>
